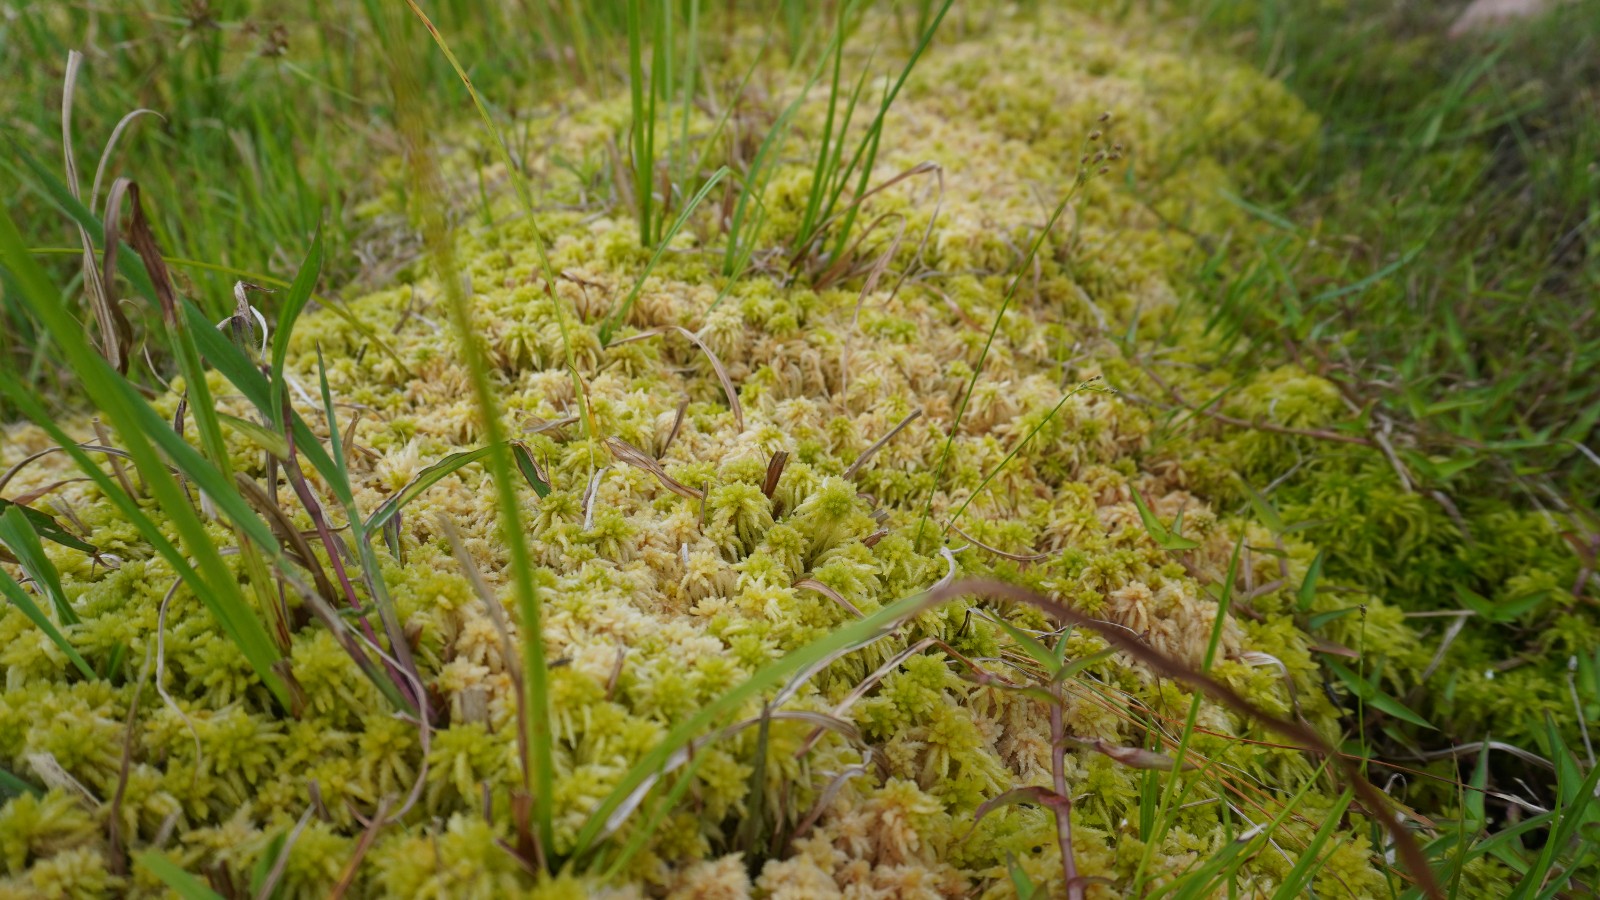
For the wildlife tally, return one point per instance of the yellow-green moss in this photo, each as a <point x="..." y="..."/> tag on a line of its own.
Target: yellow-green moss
<point x="656" y="604"/>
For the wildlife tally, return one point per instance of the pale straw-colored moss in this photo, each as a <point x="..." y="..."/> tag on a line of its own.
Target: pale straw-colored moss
<point x="655" y="605"/>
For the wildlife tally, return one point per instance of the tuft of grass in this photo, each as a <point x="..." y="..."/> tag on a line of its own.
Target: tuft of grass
<point x="141" y="430"/>
<point x="827" y="218"/>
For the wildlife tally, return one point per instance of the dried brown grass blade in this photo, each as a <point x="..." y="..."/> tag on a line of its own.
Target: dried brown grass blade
<point x="1137" y="757"/>
<point x="1014" y="557"/>
<point x="114" y="458"/>
<point x="722" y="376"/>
<point x="143" y="240"/>
<point x="677" y="425"/>
<point x="627" y="454"/>
<point x="115" y="334"/>
<point x="25" y="461"/>
<point x="811" y="584"/>
<point x="867" y="454"/>
<point x="716" y="365"/>
<point x="111" y="149"/>
<point x="774" y="472"/>
<point x="497" y="617"/>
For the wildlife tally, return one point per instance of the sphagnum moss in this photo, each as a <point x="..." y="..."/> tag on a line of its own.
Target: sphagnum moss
<point x="657" y="603"/>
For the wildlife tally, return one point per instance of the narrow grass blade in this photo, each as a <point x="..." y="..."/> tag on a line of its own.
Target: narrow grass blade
<point x="525" y="196"/>
<point x="1169" y="788"/>
<point x="615" y="320"/>
<point x="1373" y="696"/>
<point x="641" y="133"/>
<point x="18" y="536"/>
<point x="1305" y="868"/>
<point x="183" y="884"/>
<point x="977" y="370"/>
<point x="213" y="470"/>
<point x="19" y="598"/>
<point x="1157" y="531"/>
<point x="12" y="786"/>
<point x="1265" y="511"/>
<point x="138" y="425"/>
<point x="1308" y="587"/>
<point x="425" y="183"/>
<point x="741" y="243"/>
<point x="299" y="295"/>
<point x="423" y="480"/>
<point x="960" y="510"/>
<point x="48" y="528"/>
<point x="851" y="635"/>
<point x="530" y="469"/>
<point x="642" y="835"/>
<point x="1040" y="653"/>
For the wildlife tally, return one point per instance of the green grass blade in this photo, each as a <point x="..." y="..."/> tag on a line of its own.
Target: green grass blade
<point x="641" y="132"/>
<point x="642" y="835"/>
<point x="741" y="243"/>
<point x="299" y="295"/>
<point x="18" y="536"/>
<point x="1030" y="645"/>
<point x="1265" y="511"/>
<point x="11" y="786"/>
<point x="183" y="884"/>
<point x="525" y="196"/>
<point x="1305" y="868"/>
<point x="58" y="193"/>
<point x="867" y="151"/>
<point x="1160" y="819"/>
<point x="1308" y="587"/>
<point x="419" y="483"/>
<point x="19" y="598"/>
<point x="1374" y="697"/>
<point x="615" y="320"/>
<point x="536" y="724"/>
<point x="854" y="634"/>
<point x="529" y="469"/>
<point x="48" y="528"/>
<point x="1157" y="531"/>
<point x="377" y="588"/>
<point x="138" y="424"/>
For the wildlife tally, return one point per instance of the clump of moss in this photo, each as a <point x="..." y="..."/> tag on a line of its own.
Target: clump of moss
<point x="657" y="603"/>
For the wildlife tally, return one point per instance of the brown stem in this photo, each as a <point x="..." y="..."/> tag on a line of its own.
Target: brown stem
<point x="1058" y="771"/>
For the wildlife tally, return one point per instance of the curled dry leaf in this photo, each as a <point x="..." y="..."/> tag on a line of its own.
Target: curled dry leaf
<point x="1136" y="757"/>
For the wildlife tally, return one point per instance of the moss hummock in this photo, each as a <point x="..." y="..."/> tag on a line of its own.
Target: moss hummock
<point x="657" y="602"/>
